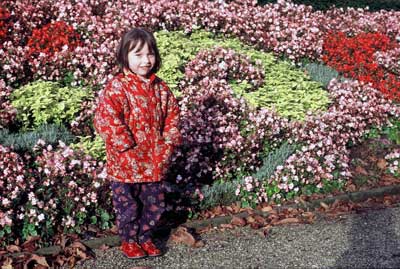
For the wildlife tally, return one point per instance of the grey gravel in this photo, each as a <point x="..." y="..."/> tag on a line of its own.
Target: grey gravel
<point x="365" y="240"/>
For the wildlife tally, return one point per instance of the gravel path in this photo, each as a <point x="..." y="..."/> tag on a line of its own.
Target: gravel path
<point x="365" y="240"/>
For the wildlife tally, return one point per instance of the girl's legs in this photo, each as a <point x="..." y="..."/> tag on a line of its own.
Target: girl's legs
<point x="127" y="209"/>
<point x="153" y="199"/>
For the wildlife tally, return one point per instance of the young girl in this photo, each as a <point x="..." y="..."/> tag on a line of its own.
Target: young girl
<point x="137" y="117"/>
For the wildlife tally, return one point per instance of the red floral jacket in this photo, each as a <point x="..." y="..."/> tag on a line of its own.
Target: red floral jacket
<point x="139" y="123"/>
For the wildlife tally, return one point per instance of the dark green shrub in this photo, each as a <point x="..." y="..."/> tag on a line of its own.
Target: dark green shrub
<point x="326" y="4"/>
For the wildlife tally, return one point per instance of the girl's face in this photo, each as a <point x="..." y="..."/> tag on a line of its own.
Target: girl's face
<point x="141" y="61"/>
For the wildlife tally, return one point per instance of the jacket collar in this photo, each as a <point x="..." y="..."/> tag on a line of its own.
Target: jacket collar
<point x="135" y="77"/>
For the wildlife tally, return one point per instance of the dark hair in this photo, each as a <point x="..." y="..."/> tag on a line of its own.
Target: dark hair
<point x="130" y="40"/>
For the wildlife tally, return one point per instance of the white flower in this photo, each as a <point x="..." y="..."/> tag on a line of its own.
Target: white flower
<point x="41" y="217"/>
<point x="5" y="202"/>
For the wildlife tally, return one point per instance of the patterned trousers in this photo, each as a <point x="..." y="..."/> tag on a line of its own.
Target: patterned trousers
<point x="138" y="208"/>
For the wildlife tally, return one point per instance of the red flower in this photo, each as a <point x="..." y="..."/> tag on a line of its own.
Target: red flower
<point x="5" y="24"/>
<point x="52" y="38"/>
<point x="354" y="57"/>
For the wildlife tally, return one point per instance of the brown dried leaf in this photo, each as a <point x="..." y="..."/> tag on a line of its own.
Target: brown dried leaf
<point x="255" y="225"/>
<point x="230" y="209"/>
<point x="79" y="245"/>
<point x="250" y="219"/>
<point x="273" y="212"/>
<point x="181" y="235"/>
<point x="199" y="244"/>
<point x="259" y="219"/>
<point x="36" y="261"/>
<point x="288" y="221"/>
<point x="30" y="244"/>
<point x="227" y="226"/>
<point x="7" y="264"/>
<point x="236" y="207"/>
<point x="264" y="231"/>
<point x="325" y="206"/>
<point x="361" y="171"/>
<point x="309" y="217"/>
<point x="266" y="209"/>
<point x="382" y="164"/>
<point x="81" y="254"/>
<point x="351" y="188"/>
<point x="60" y="260"/>
<point x="217" y="210"/>
<point x="335" y="203"/>
<point x="238" y="221"/>
<point x="13" y="248"/>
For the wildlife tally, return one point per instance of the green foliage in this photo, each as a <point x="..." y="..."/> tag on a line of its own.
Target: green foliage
<point x="390" y="131"/>
<point x="25" y="141"/>
<point x="321" y="73"/>
<point x="44" y="102"/>
<point x="93" y="147"/>
<point x="287" y="89"/>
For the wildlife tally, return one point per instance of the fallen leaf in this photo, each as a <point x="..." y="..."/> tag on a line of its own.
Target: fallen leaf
<point x="217" y="210"/>
<point x="259" y="219"/>
<point x="266" y="209"/>
<point x="309" y="217"/>
<point x="361" y="170"/>
<point x="81" y="254"/>
<point x="264" y="231"/>
<point x="13" y="248"/>
<point x="30" y="244"/>
<point x="181" y="235"/>
<point x="382" y="164"/>
<point x="302" y="201"/>
<point x="36" y="261"/>
<point x="255" y="225"/>
<point x="227" y="226"/>
<point x="250" y="219"/>
<point x="199" y="244"/>
<point x="351" y="188"/>
<point x="325" y="206"/>
<point x="78" y="245"/>
<point x="114" y="229"/>
<point x="238" y="221"/>
<point x="7" y="264"/>
<point x="288" y="221"/>
<point x="230" y="209"/>
<point x="60" y="260"/>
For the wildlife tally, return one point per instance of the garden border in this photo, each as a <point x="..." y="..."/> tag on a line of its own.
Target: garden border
<point x="359" y="196"/>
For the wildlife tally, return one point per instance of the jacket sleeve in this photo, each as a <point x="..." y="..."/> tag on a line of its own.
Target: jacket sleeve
<point x="171" y="131"/>
<point x="109" y="118"/>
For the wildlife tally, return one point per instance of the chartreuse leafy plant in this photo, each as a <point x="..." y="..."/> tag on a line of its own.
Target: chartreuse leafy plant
<point x="45" y="102"/>
<point x="286" y="89"/>
<point x="93" y="147"/>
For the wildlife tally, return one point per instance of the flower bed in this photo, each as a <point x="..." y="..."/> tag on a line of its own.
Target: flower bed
<point x="57" y="188"/>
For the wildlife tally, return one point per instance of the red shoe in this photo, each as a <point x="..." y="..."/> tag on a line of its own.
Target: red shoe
<point x="132" y="250"/>
<point x="151" y="249"/>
